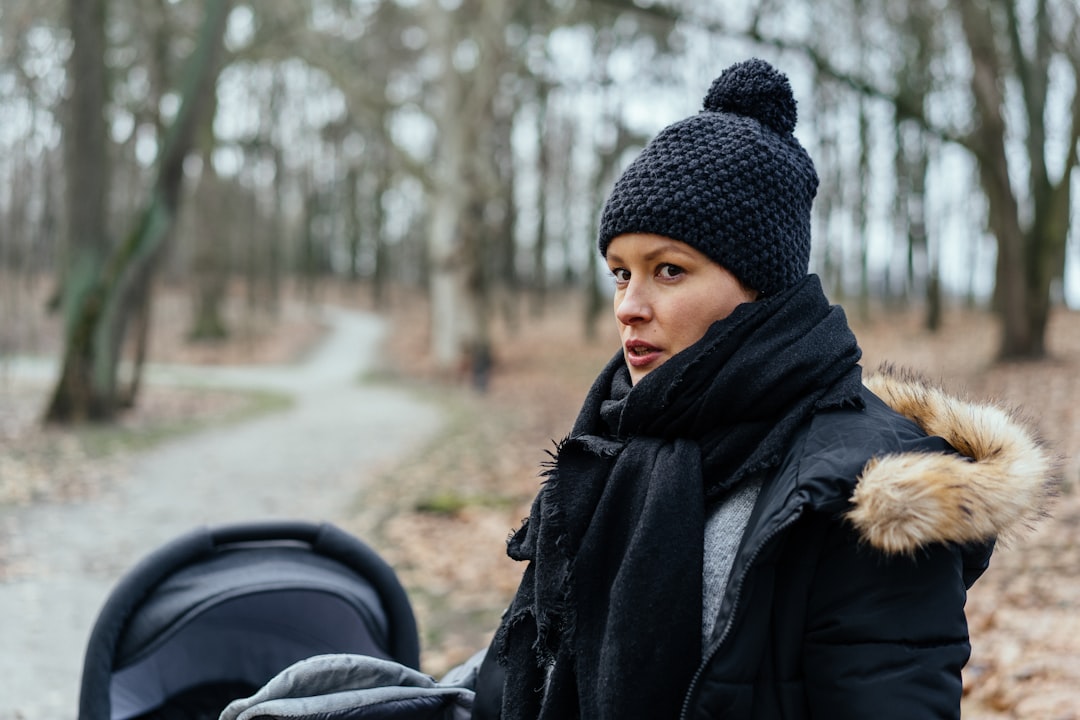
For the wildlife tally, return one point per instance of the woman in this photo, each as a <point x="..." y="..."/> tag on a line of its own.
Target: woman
<point x="737" y="526"/>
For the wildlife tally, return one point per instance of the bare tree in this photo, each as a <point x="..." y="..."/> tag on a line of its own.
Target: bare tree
<point x="87" y="386"/>
<point x="1005" y="49"/>
<point x="913" y="82"/>
<point x="210" y="257"/>
<point x="465" y="177"/>
<point x="86" y="163"/>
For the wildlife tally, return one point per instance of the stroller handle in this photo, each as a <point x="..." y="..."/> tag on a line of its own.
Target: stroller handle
<point x="251" y="532"/>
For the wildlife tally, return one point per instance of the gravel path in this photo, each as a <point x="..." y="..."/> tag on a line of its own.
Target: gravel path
<point x="290" y="464"/>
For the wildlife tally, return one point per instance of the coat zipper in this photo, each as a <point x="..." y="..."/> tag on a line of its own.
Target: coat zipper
<point x="684" y="714"/>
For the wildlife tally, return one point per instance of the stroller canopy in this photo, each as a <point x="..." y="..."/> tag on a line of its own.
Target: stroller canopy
<point x="215" y="613"/>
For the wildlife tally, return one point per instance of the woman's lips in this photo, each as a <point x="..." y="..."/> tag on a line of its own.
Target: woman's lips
<point x="639" y="353"/>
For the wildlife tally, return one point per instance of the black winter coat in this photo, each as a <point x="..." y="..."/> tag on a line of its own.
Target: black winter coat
<point x="846" y="597"/>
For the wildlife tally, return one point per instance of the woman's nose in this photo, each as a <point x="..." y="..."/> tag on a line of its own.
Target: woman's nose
<point x="633" y="305"/>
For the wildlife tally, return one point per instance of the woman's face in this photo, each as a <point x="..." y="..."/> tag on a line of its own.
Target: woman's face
<point x="667" y="294"/>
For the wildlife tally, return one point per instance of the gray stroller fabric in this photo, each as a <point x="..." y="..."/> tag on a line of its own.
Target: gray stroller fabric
<point x="348" y="687"/>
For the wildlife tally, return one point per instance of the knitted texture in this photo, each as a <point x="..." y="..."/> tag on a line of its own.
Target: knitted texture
<point x="732" y="181"/>
<point x="724" y="529"/>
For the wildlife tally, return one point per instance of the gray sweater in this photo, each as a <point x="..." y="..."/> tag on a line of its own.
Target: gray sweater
<point x="724" y="529"/>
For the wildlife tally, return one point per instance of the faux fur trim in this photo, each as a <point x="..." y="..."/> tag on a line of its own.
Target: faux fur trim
<point x="1001" y="482"/>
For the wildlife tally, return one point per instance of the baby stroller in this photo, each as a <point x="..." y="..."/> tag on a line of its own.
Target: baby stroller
<point x="214" y="614"/>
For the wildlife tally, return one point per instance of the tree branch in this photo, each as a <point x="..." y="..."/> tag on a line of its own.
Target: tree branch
<point x="904" y="108"/>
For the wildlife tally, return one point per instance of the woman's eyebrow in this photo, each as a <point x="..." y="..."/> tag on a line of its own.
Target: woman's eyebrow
<point x="651" y="255"/>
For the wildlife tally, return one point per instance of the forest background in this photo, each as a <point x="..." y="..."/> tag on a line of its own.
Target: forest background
<point x="453" y="155"/>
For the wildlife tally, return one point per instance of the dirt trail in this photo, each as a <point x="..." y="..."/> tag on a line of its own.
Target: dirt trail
<point x="66" y="558"/>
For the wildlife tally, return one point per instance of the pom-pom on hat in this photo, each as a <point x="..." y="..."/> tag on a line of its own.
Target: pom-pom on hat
<point x="732" y="181"/>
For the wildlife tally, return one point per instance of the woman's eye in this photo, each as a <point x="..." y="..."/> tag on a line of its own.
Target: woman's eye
<point x="621" y="275"/>
<point x="669" y="271"/>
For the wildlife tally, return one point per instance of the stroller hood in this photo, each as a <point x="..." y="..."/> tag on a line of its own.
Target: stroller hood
<point x="219" y="612"/>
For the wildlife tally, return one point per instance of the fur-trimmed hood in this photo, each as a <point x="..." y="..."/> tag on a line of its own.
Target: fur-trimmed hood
<point x="1000" y="483"/>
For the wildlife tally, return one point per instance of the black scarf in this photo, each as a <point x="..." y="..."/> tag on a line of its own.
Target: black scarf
<point x="607" y="620"/>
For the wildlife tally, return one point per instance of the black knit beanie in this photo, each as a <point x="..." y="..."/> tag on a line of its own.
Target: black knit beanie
<point x="732" y="181"/>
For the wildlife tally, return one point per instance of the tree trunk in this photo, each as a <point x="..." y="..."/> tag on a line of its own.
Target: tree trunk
<point x="544" y="150"/>
<point x="447" y="208"/>
<point x="381" y="270"/>
<point x="142" y="303"/>
<point x="310" y="244"/>
<point x="862" y="212"/>
<point x="87" y="386"/>
<point x="465" y="179"/>
<point x="503" y="222"/>
<point x="1028" y="258"/>
<point x="210" y="261"/>
<point x="912" y="159"/>
<point x="828" y="198"/>
<point x="276" y="237"/>
<point x="87" y="171"/>
<point x="354" y="234"/>
<point x="211" y="251"/>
